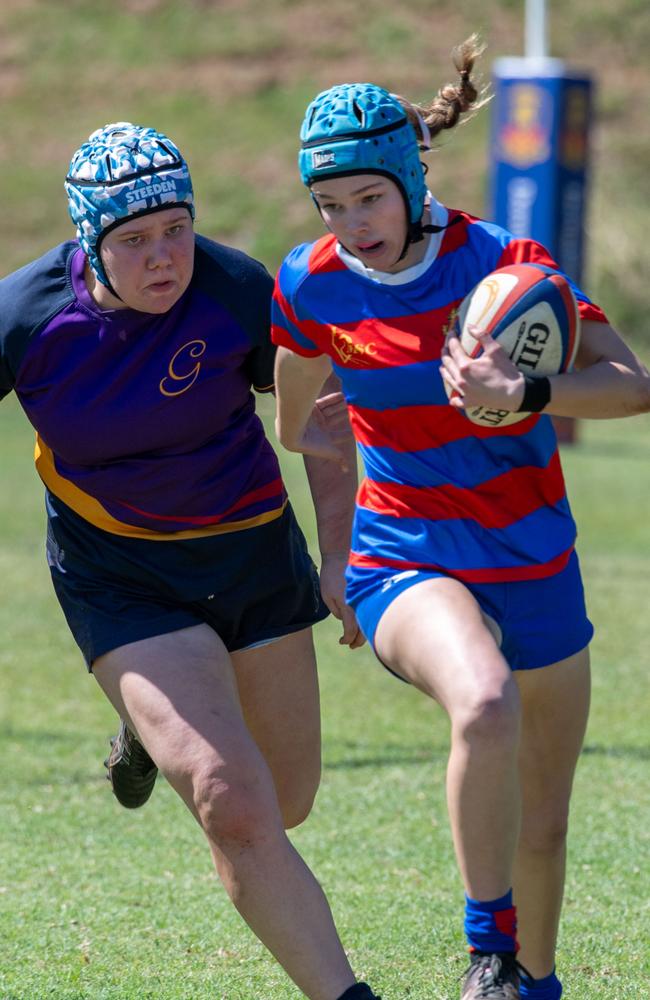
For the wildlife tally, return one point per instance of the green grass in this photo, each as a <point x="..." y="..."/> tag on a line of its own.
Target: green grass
<point x="97" y="903"/>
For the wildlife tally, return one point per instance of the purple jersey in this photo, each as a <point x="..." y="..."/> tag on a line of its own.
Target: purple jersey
<point x="146" y="424"/>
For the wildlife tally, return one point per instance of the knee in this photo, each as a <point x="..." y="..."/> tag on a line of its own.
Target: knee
<point x="235" y="805"/>
<point x="492" y="714"/>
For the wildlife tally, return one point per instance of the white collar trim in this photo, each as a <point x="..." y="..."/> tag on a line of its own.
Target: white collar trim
<point x="439" y="217"/>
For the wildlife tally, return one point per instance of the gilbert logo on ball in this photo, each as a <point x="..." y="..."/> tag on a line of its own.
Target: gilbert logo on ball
<point x="532" y="312"/>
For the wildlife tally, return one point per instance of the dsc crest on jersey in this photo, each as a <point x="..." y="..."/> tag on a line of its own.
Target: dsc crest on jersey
<point x="349" y="352"/>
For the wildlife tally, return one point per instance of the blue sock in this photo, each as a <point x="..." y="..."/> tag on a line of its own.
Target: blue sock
<point x="548" y="988"/>
<point x="491" y="926"/>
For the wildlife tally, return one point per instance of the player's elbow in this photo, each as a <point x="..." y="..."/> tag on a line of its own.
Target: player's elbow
<point x="286" y="439"/>
<point x="637" y="392"/>
<point x="642" y="399"/>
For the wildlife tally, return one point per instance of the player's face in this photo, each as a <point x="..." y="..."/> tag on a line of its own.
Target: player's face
<point x="149" y="260"/>
<point x="366" y="213"/>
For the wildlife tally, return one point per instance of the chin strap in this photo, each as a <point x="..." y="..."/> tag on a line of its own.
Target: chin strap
<point x="418" y="227"/>
<point x="104" y="284"/>
<point x="417" y="233"/>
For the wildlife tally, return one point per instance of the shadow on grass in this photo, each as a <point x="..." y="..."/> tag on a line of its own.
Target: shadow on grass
<point x="392" y="761"/>
<point x="59" y="736"/>
<point x="339" y="756"/>
<point x="351" y="756"/>
<point x="62" y="779"/>
<point x="52" y="747"/>
<point x="633" y="753"/>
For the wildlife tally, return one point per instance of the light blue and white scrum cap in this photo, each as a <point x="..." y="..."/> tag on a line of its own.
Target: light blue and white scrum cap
<point x="360" y="128"/>
<point x="122" y="171"/>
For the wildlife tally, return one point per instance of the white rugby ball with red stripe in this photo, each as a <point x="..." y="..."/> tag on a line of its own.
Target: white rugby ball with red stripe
<point x="532" y="312"/>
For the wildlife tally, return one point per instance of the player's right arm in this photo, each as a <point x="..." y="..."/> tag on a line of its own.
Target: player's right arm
<point x="298" y="382"/>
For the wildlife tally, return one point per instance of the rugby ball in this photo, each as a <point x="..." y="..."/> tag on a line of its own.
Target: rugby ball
<point x="532" y="312"/>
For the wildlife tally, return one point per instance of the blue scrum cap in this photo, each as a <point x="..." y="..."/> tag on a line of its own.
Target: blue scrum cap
<point x="121" y="171"/>
<point x="359" y="128"/>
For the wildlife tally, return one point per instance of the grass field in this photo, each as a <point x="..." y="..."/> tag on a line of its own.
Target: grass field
<point x="97" y="903"/>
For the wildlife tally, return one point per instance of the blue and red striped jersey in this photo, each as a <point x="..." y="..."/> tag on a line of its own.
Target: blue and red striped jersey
<point x="146" y="424"/>
<point x="439" y="492"/>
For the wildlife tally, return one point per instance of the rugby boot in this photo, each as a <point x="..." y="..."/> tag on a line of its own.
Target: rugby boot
<point x="360" y="991"/>
<point x="492" y="977"/>
<point x="131" y="771"/>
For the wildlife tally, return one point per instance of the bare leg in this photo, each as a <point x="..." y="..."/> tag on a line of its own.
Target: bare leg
<point x="555" y="702"/>
<point x="179" y="691"/>
<point x="434" y="635"/>
<point x="278" y="691"/>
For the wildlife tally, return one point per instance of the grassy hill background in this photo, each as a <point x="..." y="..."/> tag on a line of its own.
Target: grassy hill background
<point x="98" y="903"/>
<point x="229" y="81"/>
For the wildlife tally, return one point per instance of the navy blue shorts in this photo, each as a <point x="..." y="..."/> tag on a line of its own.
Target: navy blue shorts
<point x="250" y="586"/>
<point x="540" y="621"/>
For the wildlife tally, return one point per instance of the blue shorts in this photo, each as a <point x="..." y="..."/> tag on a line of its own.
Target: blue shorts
<point x="541" y="621"/>
<point x="250" y="586"/>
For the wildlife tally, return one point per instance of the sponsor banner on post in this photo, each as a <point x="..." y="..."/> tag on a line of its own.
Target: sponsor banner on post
<point x="539" y="155"/>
